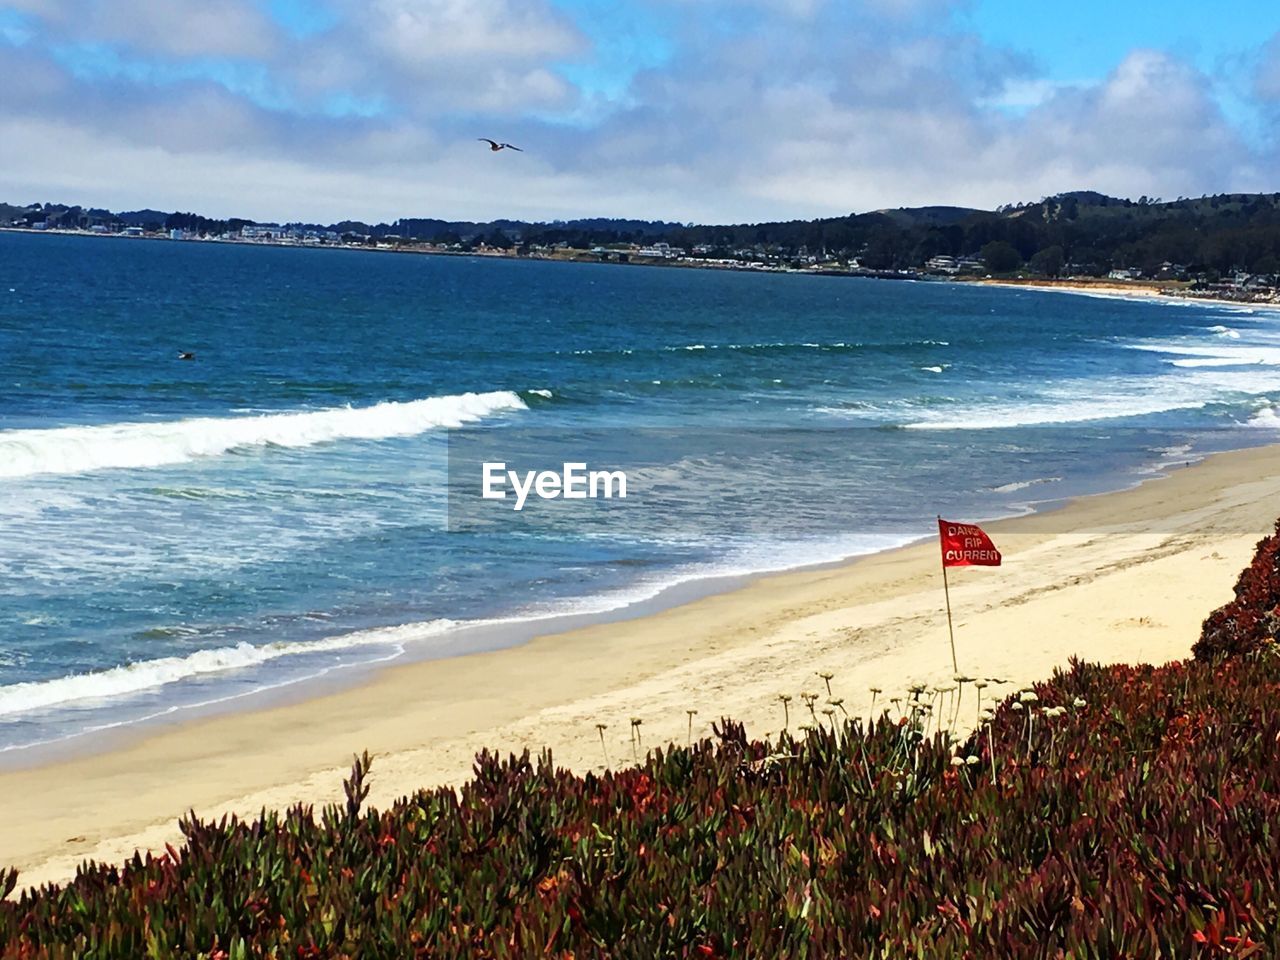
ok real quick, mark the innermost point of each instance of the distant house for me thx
(1124, 273)
(133, 231)
(942, 265)
(262, 231)
(1245, 281)
(661, 251)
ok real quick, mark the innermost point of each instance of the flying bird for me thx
(495, 146)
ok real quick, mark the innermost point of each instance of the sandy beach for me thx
(1143, 289)
(1127, 576)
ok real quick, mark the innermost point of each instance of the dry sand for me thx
(1126, 576)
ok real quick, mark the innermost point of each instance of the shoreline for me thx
(1115, 290)
(1116, 576)
(472, 636)
(502, 632)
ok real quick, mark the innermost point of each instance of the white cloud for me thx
(171, 28)
(803, 115)
(802, 9)
(1019, 93)
(1267, 78)
(419, 33)
(911, 123)
(442, 57)
(459, 180)
(1152, 127)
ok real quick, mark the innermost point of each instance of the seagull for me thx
(184, 355)
(495, 146)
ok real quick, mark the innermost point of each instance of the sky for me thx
(705, 111)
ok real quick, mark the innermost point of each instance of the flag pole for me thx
(946, 590)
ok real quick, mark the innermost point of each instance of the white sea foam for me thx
(545, 394)
(81, 449)
(1266, 419)
(934, 369)
(1023, 484)
(1032, 415)
(1191, 363)
(1216, 356)
(1085, 401)
(147, 675)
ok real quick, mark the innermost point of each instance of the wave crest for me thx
(65, 450)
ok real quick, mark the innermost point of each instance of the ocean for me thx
(284, 507)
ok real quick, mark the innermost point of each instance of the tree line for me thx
(1083, 233)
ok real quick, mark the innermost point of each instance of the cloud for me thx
(1151, 127)
(759, 111)
(432, 58)
(831, 121)
(1266, 81)
(1021, 94)
(418, 33)
(170, 28)
(802, 9)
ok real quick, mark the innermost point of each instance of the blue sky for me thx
(696, 110)
(1082, 42)
(1087, 38)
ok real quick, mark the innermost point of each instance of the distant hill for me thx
(595, 229)
(929, 216)
(9, 213)
(143, 218)
(1077, 232)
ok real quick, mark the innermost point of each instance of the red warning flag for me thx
(966, 545)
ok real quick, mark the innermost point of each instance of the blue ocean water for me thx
(175, 533)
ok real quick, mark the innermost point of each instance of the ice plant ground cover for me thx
(1133, 813)
(1252, 620)
(1122, 811)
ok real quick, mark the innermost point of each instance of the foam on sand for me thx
(145, 675)
(1024, 484)
(65, 450)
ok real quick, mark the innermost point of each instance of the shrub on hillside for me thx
(1252, 620)
(1114, 812)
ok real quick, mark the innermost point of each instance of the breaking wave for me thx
(67, 450)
